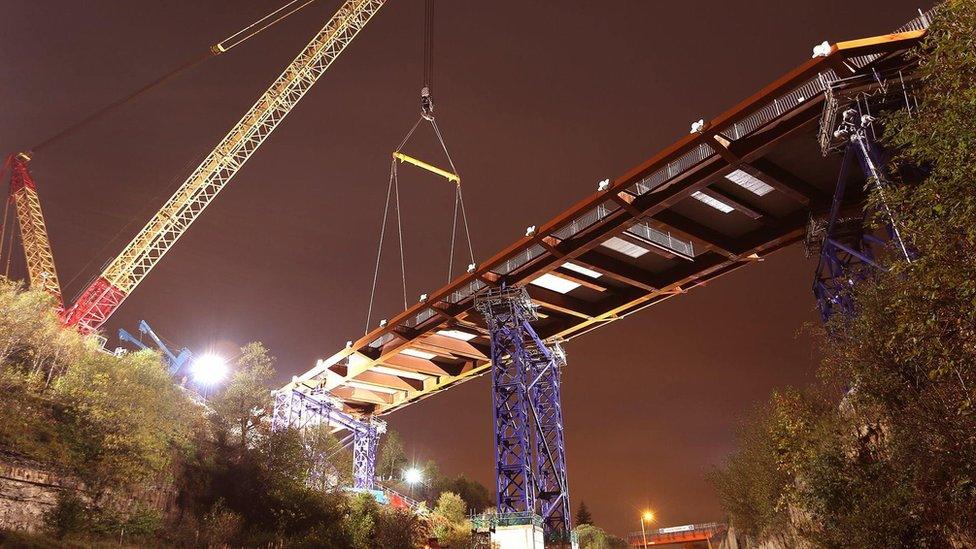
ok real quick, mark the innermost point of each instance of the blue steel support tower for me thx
(507, 313)
(298, 409)
(364, 444)
(848, 253)
(530, 456)
(551, 483)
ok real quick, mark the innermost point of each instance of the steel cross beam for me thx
(297, 409)
(530, 448)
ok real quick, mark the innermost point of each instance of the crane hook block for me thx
(426, 104)
(452, 177)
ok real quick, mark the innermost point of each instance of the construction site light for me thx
(209, 369)
(413, 475)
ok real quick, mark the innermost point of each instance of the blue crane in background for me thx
(176, 361)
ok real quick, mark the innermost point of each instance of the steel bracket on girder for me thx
(530, 450)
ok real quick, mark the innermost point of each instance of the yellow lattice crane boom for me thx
(33, 232)
(123, 274)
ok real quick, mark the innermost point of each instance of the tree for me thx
(330, 463)
(400, 529)
(123, 417)
(451, 507)
(475, 495)
(583, 515)
(247, 397)
(392, 458)
(451, 525)
(592, 537)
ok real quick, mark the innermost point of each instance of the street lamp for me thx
(649, 517)
(412, 477)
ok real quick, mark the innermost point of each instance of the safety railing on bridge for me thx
(489, 521)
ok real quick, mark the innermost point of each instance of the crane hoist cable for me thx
(426, 103)
(393, 189)
(219, 48)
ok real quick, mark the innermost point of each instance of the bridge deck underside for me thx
(737, 190)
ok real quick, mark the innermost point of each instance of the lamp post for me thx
(646, 516)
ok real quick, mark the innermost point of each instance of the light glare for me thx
(413, 475)
(209, 369)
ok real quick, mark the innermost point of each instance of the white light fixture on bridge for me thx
(822, 49)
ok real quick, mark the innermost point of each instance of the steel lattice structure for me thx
(848, 253)
(530, 457)
(296, 409)
(117, 281)
(507, 313)
(551, 480)
(33, 232)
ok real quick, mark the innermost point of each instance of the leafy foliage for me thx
(122, 425)
(112, 421)
(893, 465)
(593, 537)
(247, 397)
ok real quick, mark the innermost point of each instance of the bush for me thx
(69, 516)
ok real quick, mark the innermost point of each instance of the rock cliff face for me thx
(738, 540)
(29, 489)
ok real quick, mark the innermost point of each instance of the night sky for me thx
(538, 102)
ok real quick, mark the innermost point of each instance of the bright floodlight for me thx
(209, 369)
(413, 476)
(648, 516)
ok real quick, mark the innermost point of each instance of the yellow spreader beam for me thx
(452, 177)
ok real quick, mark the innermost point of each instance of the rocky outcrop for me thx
(29, 489)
